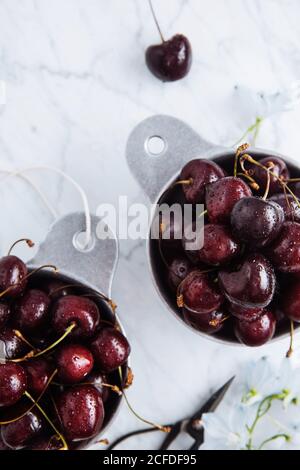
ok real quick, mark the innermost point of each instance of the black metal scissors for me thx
(192, 426)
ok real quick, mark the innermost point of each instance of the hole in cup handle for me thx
(93, 265)
(159, 147)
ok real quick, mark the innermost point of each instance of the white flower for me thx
(256, 381)
(289, 380)
(226, 429)
(265, 104)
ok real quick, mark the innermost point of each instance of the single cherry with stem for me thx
(12, 344)
(13, 382)
(199, 294)
(222, 196)
(171, 60)
(195, 176)
(257, 332)
(73, 309)
(257, 221)
(110, 349)
(280, 173)
(31, 311)
(13, 272)
(219, 245)
(81, 412)
(209, 323)
(18, 433)
(74, 362)
(251, 284)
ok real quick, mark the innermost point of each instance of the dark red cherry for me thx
(257, 332)
(4, 313)
(19, 433)
(2, 445)
(199, 293)
(178, 270)
(256, 222)
(220, 247)
(13, 383)
(208, 323)
(97, 379)
(244, 313)
(38, 373)
(192, 241)
(222, 196)
(44, 443)
(251, 284)
(290, 302)
(285, 250)
(31, 311)
(171, 60)
(171, 232)
(79, 310)
(110, 349)
(290, 207)
(200, 173)
(56, 289)
(13, 274)
(260, 175)
(81, 412)
(74, 363)
(11, 346)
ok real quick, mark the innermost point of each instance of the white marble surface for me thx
(76, 85)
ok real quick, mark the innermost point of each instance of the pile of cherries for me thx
(244, 282)
(62, 360)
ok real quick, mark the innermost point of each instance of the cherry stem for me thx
(252, 181)
(27, 277)
(268, 185)
(61, 437)
(184, 182)
(155, 20)
(219, 322)
(26, 240)
(203, 214)
(291, 350)
(19, 335)
(38, 399)
(32, 354)
(282, 183)
(240, 149)
(254, 127)
(165, 429)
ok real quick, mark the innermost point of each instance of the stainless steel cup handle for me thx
(94, 266)
(159, 147)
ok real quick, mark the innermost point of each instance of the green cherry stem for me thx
(273, 438)
(155, 20)
(26, 240)
(291, 349)
(32, 354)
(37, 400)
(165, 429)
